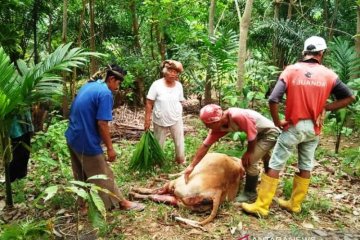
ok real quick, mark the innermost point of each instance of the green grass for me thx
(287, 188)
(351, 162)
(292, 160)
(29, 229)
(315, 203)
(319, 180)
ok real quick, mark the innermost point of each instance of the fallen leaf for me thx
(61, 211)
(314, 216)
(240, 226)
(340, 196)
(356, 213)
(307, 225)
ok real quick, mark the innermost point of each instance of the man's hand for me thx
(246, 159)
(187, 173)
(111, 154)
(320, 119)
(281, 124)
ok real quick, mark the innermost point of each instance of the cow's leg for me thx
(163, 190)
(166, 199)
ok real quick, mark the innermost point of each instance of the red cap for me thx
(211, 113)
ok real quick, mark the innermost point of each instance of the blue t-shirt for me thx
(93, 102)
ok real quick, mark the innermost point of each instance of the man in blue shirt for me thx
(88, 127)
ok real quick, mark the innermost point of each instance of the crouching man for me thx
(261, 137)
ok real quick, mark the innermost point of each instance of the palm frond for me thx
(343, 59)
(37, 82)
(223, 51)
(282, 33)
(44, 76)
(8, 84)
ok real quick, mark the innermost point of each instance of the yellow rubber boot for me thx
(266, 192)
(300, 188)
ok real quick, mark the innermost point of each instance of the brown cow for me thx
(214, 180)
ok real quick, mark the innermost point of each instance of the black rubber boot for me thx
(249, 193)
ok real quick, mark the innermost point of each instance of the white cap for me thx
(318, 44)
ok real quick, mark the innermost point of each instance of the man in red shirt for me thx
(261, 137)
(307, 85)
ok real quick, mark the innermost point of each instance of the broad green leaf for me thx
(78, 191)
(98, 202)
(50, 192)
(80, 183)
(95, 217)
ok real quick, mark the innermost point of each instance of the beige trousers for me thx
(177, 134)
(265, 142)
(84, 166)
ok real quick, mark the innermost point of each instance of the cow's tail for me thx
(216, 203)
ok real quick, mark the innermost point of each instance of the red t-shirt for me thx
(308, 86)
(244, 120)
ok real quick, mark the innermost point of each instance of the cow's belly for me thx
(215, 172)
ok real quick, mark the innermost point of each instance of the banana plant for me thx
(23, 85)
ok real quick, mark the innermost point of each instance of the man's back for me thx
(308, 86)
(93, 102)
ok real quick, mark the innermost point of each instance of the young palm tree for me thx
(344, 61)
(21, 87)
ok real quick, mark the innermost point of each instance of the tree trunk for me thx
(244, 28)
(209, 72)
(81, 26)
(93, 63)
(333, 19)
(357, 38)
(49, 34)
(152, 41)
(160, 41)
(38, 115)
(337, 143)
(139, 80)
(35, 19)
(326, 14)
(64, 40)
(278, 54)
(135, 26)
(7, 157)
(289, 13)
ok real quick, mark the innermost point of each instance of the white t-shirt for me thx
(167, 106)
